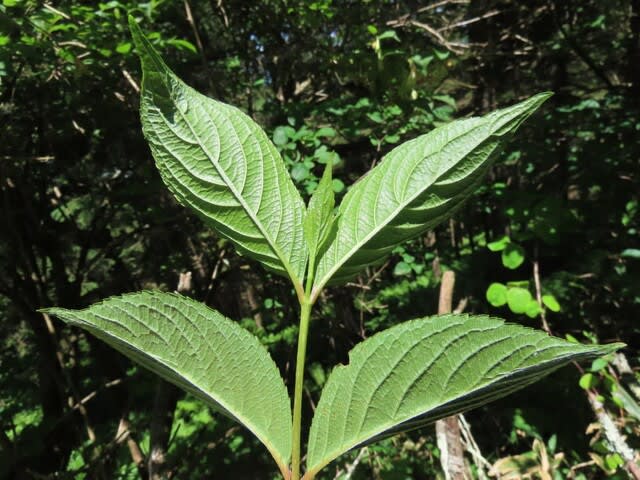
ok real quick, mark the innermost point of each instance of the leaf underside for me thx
(415, 187)
(419, 371)
(200, 351)
(319, 219)
(218, 161)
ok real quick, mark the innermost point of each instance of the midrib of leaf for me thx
(142, 357)
(364, 436)
(485, 388)
(401, 206)
(238, 196)
(162, 69)
(422, 372)
(169, 369)
(398, 361)
(464, 149)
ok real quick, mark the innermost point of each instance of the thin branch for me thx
(453, 47)
(225, 18)
(40, 158)
(214, 274)
(351, 467)
(51, 330)
(56, 11)
(442, 4)
(628, 376)
(473, 448)
(536, 279)
(611, 431)
(464, 23)
(614, 437)
(164, 404)
(124, 434)
(462, 304)
(131, 81)
(93, 394)
(580, 52)
(192, 23)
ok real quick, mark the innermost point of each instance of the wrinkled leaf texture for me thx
(218, 161)
(319, 219)
(200, 351)
(415, 187)
(419, 371)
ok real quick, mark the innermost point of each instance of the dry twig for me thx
(611, 431)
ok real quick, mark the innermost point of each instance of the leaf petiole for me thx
(305, 314)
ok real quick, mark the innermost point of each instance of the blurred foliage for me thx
(552, 235)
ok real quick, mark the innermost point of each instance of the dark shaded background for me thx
(84, 214)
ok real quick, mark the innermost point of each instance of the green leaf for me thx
(588, 380)
(598, 364)
(202, 352)
(325, 132)
(401, 269)
(532, 310)
(518, 299)
(124, 47)
(631, 253)
(389, 34)
(628, 402)
(416, 186)
(280, 136)
(299, 172)
(499, 245)
(217, 161)
(319, 220)
(613, 461)
(497, 294)
(417, 372)
(181, 44)
(512, 256)
(338, 185)
(551, 303)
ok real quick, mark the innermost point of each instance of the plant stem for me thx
(305, 315)
(305, 312)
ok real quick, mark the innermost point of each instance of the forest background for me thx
(551, 239)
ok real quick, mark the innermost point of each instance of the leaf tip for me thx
(134, 28)
(510, 118)
(611, 347)
(545, 95)
(143, 46)
(539, 99)
(63, 314)
(56, 311)
(328, 172)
